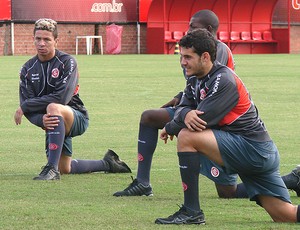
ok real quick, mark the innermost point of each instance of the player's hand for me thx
(165, 136)
(18, 116)
(175, 101)
(193, 122)
(50, 122)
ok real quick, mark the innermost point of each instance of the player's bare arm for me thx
(193, 122)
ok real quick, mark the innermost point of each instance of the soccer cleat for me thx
(136, 189)
(48, 173)
(296, 173)
(183, 216)
(115, 164)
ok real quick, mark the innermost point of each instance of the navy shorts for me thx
(79, 126)
(216, 173)
(171, 111)
(210, 169)
(257, 164)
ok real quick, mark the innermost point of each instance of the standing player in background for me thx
(49, 99)
(155, 119)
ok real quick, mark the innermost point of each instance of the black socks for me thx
(88, 166)
(189, 164)
(56, 139)
(146, 146)
(241, 191)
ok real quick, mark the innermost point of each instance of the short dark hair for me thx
(201, 40)
(46, 24)
(208, 19)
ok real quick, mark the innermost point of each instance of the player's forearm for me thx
(35, 118)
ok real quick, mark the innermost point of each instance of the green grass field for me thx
(116, 89)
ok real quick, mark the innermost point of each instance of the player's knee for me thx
(226, 192)
(183, 138)
(64, 169)
(147, 117)
(155, 118)
(64, 165)
(53, 108)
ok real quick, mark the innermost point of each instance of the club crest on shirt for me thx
(55, 73)
(202, 94)
(214, 171)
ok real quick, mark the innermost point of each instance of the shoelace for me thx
(181, 209)
(45, 170)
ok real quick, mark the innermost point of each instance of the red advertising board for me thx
(5, 10)
(76, 10)
(281, 11)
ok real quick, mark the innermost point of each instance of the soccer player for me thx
(49, 98)
(234, 135)
(153, 120)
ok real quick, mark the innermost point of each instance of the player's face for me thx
(194, 64)
(195, 24)
(45, 44)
